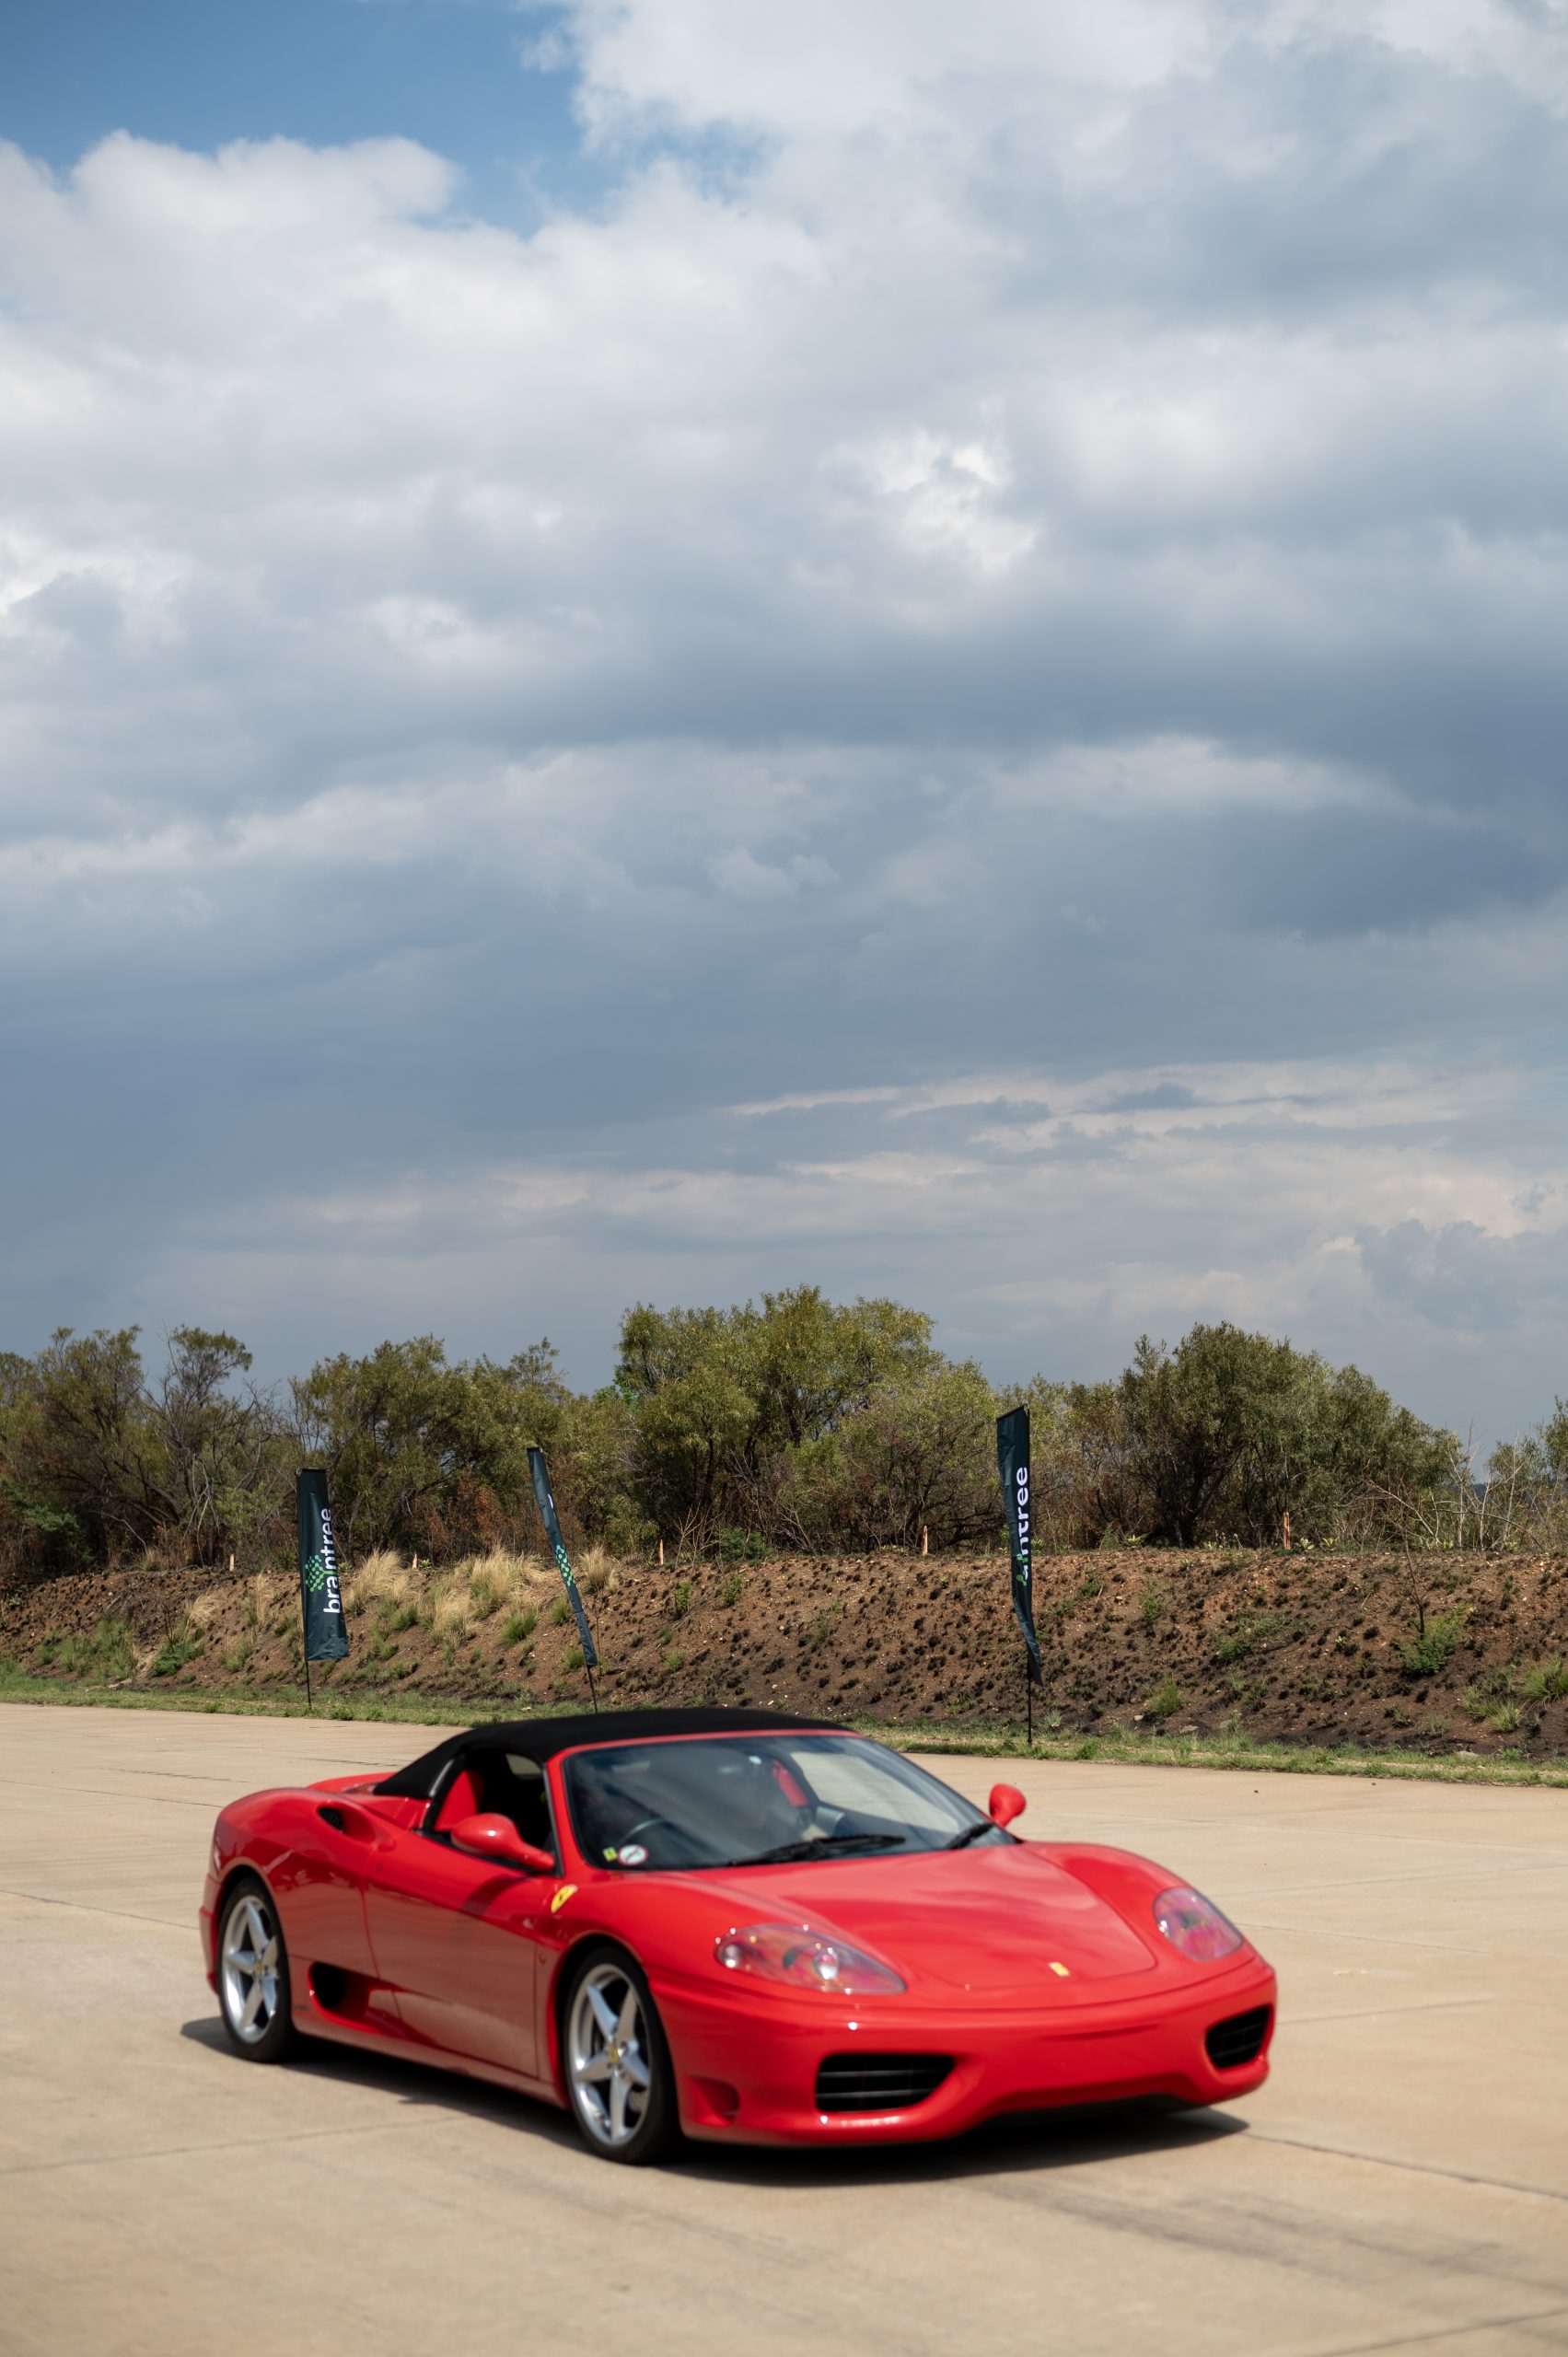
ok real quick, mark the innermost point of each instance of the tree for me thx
(219, 1472)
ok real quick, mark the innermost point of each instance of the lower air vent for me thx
(879, 2082)
(1240, 2039)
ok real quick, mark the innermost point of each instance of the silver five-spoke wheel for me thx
(253, 1974)
(617, 2074)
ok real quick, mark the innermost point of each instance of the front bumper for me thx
(747, 2073)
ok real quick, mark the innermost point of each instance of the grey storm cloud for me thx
(998, 591)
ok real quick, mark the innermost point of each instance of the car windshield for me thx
(759, 1800)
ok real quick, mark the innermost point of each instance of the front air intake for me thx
(879, 2082)
(1240, 2039)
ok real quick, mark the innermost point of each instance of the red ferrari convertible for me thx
(729, 1925)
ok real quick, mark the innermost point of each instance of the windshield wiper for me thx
(814, 1848)
(970, 1833)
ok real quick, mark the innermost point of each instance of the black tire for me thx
(255, 1995)
(615, 2061)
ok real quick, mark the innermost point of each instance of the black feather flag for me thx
(320, 1596)
(1012, 1463)
(541, 1491)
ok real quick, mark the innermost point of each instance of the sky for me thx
(652, 649)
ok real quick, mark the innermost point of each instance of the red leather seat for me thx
(463, 1798)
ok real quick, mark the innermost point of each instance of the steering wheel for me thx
(657, 1825)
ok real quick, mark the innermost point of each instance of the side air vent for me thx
(1240, 2039)
(879, 2082)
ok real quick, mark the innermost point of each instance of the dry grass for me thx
(463, 1593)
(381, 1578)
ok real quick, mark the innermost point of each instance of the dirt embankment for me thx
(1464, 1652)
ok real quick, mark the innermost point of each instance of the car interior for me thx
(500, 1784)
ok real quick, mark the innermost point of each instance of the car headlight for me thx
(1195, 1925)
(803, 1959)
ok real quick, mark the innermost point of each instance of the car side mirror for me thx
(497, 1837)
(1005, 1803)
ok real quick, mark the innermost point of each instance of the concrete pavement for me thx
(1400, 2184)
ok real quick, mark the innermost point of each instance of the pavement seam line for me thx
(1443, 2332)
(1411, 2169)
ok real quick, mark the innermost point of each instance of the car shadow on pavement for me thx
(1023, 2141)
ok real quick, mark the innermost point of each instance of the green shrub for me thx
(559, 1612)
(1151, 1603)
(520, 1626)
(674, 1659)
(1166, 1699)
(1433, 1649)
(1548, 1681)
(174, 1653)
(483, 1598)
(574, 1660)
(104, 1657)
(680, 1603)
(730, 1589)
(742, 1546)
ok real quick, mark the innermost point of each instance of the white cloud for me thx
(1012, 542)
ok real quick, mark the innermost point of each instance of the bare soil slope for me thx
(1463, 1651)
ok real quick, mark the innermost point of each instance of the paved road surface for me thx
(1400, 2184)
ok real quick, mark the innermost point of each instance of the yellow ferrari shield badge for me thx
(566, 1891)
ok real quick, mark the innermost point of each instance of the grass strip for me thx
(1120, 1746)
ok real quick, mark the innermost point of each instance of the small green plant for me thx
(729, 1589)
(105, 1656)
(559, 1612)
(574, 1660)
(680, 1603)
(742, 1546)
(1424, 1655)
(484, 1597)
(1150, 1605)
(1505, 1718)
(1166, 1699)
(237, 1656)
(674, 1659)
(399, 1616)
(1092, 1583)
(1547, 1682)
(519, 1626)
(174, 1653)
(1254, 1632)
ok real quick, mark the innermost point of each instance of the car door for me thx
(320, 1882)
(456, 1936)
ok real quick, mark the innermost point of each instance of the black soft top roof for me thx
(541, 1740)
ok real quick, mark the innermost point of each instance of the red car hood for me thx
(989, 1922)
